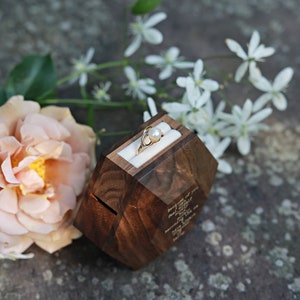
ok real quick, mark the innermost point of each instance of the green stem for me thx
(90, 108)
(226, 99)
(86, 102)
(106, 65)
(103, 133)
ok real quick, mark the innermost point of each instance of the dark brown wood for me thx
(136, 214)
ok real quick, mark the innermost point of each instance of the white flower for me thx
(143, 30)
(100, 91)
(242, 124)
(138, 88)
(167, 62)
(190, 112)
(152, 108)
(256, 52)
(82, 65)
(213, 124)
(273, 90)
(198, 78)
(217, 148)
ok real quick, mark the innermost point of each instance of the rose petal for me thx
(14, 109)
(82, 139)
(7, 170)
(10, 225)
(9, 144)
(24, 163)
(53, 128)
(30, 181)
(3, 130)
(35, 225)
(9, 201)
(14, 244)
(59, 239)
(34, 204)
(58, 113)
(77, 177)
(53, 149)
(32, 133)
(65, 200)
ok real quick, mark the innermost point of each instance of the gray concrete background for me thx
(246, 242)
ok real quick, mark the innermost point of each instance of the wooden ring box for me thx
(136, 214)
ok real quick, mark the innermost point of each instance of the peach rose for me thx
(46, 159)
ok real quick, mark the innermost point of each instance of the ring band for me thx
(151, 135)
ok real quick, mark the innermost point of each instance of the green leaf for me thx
(34, 77)
(3, 96)
(144, 6)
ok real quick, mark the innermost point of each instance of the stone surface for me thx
(246, 243)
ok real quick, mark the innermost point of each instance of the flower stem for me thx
(104, 133)
(106, 65)
(86, 102)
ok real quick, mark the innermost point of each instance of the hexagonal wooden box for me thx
(136, 214)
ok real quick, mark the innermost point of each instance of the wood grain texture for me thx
(136, 214)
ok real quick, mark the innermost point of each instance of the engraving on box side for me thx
(181, 213)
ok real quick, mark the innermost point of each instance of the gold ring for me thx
(151, 135)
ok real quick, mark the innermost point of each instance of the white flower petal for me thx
(89, 55)
(130, 73)
(192, 92)
(175, 107)
(262, 84)
(198, 69)
(172, 53)
(155, 19)
(135, 44)
(83, 79)
(241, 70)
(165, 73)
(181, 81)
(280, 101)
(247, 110)
(148, 89)
(236, 48)
(254, 72)
(224, 166)
(154, 60)
(210, 85)
(282, 79)
(259, 116)
(183, 64)
(261, 101)
(153, 36)
(222, 146)
(253, 44)
(146, 116)
(262, 52)
(152, 106)
(202, 100)
(221, 106)
(244, 145)
(227, 117)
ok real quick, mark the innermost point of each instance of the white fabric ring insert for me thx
(129, 153)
